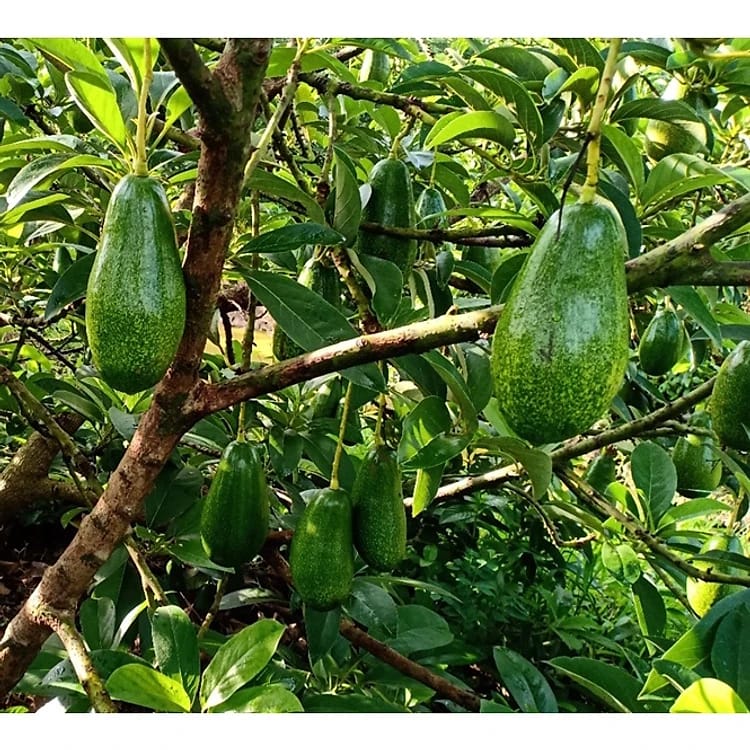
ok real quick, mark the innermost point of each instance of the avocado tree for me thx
(254, 418)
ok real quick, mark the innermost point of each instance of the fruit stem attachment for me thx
(593, 132)
(340, 443)
(379, 440)
(141, 163)
(393, 153)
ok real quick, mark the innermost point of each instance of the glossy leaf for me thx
(264, 699)
(176, 647)
(70, 287)
(385, 282)
(619, 146)
(524, 682)
(655, 476)
(654, 109)
(679, 174)
(611, 684)
(144, 686)
(524, 63)
(537, 463)
(291, 237)
(730, 653)
(98, 100)
(131, 54)
(70, 54)
(322, 629)
(649, 607)
(271, 184)
(426, 485)
(239, 660)
(582, 51)
(373, 607)
(689, 299)
(419, 629)
(176, 489)
(347, 210)
(622, 562)
(709, 696)
(488, 125)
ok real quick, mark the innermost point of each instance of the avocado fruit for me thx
(376, 66)
(379, 513)
(702, 595)
(560, 348)
(698, 469)
(135, 299)
(662, 343)
(729, 405)
(391, 204)
(321, 557)
(667, 137)
(430, 203)
(235, 512)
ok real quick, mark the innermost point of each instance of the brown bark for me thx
(226, 143)
(24, 481)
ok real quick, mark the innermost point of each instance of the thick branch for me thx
(493, 236)
(418, 337)
(205, 91)
(688, 254)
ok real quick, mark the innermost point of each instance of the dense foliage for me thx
(391, 189)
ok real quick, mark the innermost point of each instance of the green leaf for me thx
(537, 463)
(238, 661)
(352, 703)
(709, 696)
(265, 699)
(384, 280)
(291, 237)
(678, 174)
(372, 606)
(612, 685)
(689, 299)
(347, 210)
(515, 94)
(322, 630)
(176, 647)
(583, 82)
(273, 185)
(9, 110)
(123, 422)
(97, 618)
(490, 125)
(655, 475)
(70, 287)
(426, 485)
(457, 386)
(582, 51)
(69, 54)
(176, 489)
(98, 101)
(649, 607)
(622, 562)
(693, 649)
(504, 276)
(702, 506)
(131, 54)
(310, 321)
(144, 686)
(419, 629)
(655, 109)
(730, 653)
(525, 64)
(619, 147)
(527, 685)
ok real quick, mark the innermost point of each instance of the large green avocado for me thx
(730, 401)
(391, 204)
(135, 301)
(702, 595)
(560, 348)
(321, 557)
(698, 468)
(664, 138)
(662, 343)
(234, 518)
(379, 513)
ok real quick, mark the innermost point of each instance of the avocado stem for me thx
(340, 442)
(593, 132)
(141, 160)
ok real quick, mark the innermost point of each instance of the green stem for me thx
(396, 145)
(340, 444)
(141, 159)
(211, 614)
(588, 193)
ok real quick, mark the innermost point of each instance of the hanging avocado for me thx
(662, 343)
(135, 301)
(560, 348)
(730, 405)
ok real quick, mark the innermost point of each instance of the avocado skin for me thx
(321, 557)
(730, 401)
(431, 202)
(702, 595)
(698, 470)
(391, 204)
(662, 343)
(376, 66)
(379, 513)
(560, 348)
(135, 300)
(235, 513)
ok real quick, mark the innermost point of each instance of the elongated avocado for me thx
(730, 401)
(234, 518)
(662, 343)
(135, 301)
(391, 204)
(321, 557)
(560, 348)
(379, 513)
